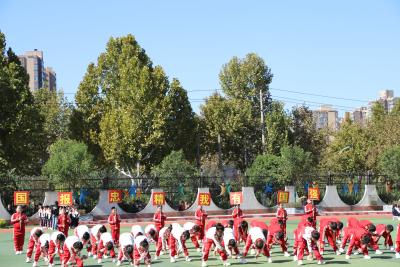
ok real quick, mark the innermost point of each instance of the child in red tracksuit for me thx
(277, 236)
(106, 245)
(384, 231)
(307, 238)
(201, 216)
(83, 233)
(359, 239)
(33, 241)
(95, 233)
(328, 230)
(115, 224)
(310, 210)
(159, 219)
(230, 243)
(257, 237)
(19, 220)
(214, 237)
(63, 222)
(348, 231)
(141, 251)
(41, 249)
(57, 240)
(398, 242)
(282, 216)
(71, 252)
(178, 237)
(163, 237)
(237, 216)
(125, 248)
(151, 233)
(194, 231)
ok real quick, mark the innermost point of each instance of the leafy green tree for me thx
(265, 168)
(248, 79)
(396, 108)
(277, 125)
(69, 162)
(174, 169)
(56, 110)
(244, 78)
(303, 133)
(126, 108)
(389, 162)
(85, 118)
(181, 125)
(21, 135)
(229, 119)
(348, 150)
(295, 164)
(378, 112)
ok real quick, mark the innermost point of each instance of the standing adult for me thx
(19, 220)
(201, 216)
(311, 211)
(115, 224)
(63, 222)
(55, 210)
(159, 219)
(237, 216)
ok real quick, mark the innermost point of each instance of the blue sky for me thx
(345, 49)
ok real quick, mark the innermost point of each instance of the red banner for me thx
(236, 198)
(65, 198)
(204, 199)
(158, 198)
(21, 198)
(114, 196)
(313, 193)
(283, 197)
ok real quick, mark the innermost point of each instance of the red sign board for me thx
(65, 198)
(21, 198)
(158, 198)
(236, 198)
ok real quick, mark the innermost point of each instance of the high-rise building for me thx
(360, 116)
(39, 76)
(326, 117)
(386, 98)
(50, 79)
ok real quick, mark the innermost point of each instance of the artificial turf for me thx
(9, 259)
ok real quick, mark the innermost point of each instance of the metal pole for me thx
(219, 153)
(262, 120)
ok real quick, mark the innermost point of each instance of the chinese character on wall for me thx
(158, 198)
(236, 198)
(204, 199)
(65, 198)
(283, 197)
(114, 196)
(21, 198)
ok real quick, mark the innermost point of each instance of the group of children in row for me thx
(223, 238)
(49, 216)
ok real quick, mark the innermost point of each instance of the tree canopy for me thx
(69, 162)
(21, 124)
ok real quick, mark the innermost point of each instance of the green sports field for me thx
(8, 259)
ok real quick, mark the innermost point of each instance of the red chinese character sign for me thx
(313, 193)
(64, 198)
(114, 196)
(158, 198)
(236, 198)
(204, 199)
(283, 197)
(21, 198)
